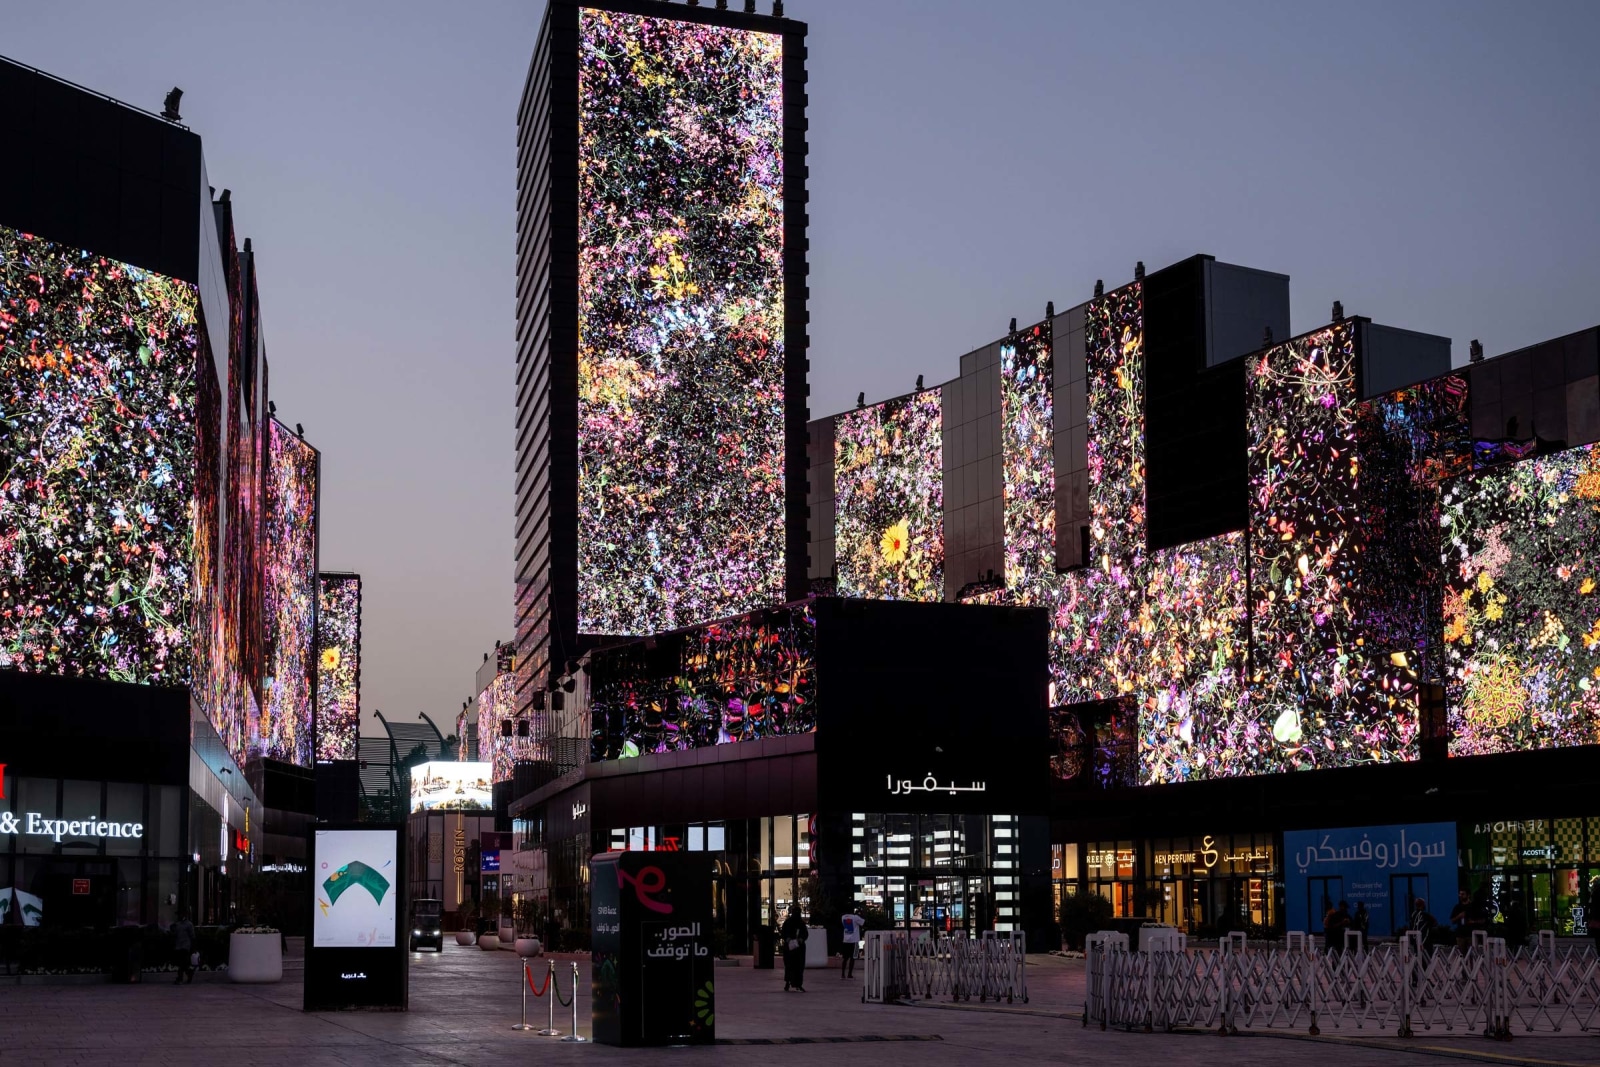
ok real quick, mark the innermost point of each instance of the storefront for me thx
(115, 808)
(1203, 884)
(1543, 872)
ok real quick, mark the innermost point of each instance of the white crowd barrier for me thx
(899, 966)
(1404, 987)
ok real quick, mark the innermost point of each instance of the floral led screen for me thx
(289, 543)
(889, 489)
(1522, 604)
(1027, 386)
(338, 665)
(97, 465)
(497, 704)
(722, 683)
(680, 321)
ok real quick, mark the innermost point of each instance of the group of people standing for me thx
(1471, 913)
(792, 943)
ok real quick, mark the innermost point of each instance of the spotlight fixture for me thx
(299, 431)
(1013, 325)
(169, 110)
(1338, 311)
(777, 9)
(1266, 337)
(1138, 271)
(1476, 351)
(919, 383)
(1099, 288)
(749, 7)
(861, 400)
(1049, 309)
(272, 407)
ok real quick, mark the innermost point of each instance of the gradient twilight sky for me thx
(1435, 165)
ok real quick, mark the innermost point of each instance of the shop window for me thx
(716, 838)
(125, 803)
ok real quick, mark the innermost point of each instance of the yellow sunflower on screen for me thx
(330, 659)
(896, 539)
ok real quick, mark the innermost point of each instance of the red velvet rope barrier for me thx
(538, 991)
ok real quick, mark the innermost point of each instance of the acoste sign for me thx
(36, 825)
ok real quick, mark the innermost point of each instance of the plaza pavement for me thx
(464, 1001)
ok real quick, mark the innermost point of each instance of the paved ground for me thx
(464, 1001)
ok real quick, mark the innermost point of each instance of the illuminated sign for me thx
(36, 825)
(1208, 856)
(930, 784)
(489, 862)
(450, 785)
(80, 887)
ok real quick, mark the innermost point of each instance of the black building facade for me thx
(823, 752)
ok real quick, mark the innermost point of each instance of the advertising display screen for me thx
(1522, 604)
(338, 665)
(290, 576)
(97, 465)
(681, 322)
(889, 486)
(1387, 868)
(447, 785)
(496, 704)
(354, 882)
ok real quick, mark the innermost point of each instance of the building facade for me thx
(157, 526)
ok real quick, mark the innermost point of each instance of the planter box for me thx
(488, 942)
(465, 938)
(529, 946)
(255, 958)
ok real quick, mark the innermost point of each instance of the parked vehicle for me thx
(427, 924)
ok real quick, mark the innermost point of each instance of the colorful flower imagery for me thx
(290, 550)
(496, 704)
(749, 678)
(1522, 604)
(681, 305)
(338, 665)
(889, 482)
(1027, 384)
(97, 464)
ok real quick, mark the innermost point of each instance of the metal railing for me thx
(1404, 986)
(900, 966)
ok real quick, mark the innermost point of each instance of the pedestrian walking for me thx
(853, 925)
(183, 947)
(1334, 924)
(792, 936)
(1360, 919)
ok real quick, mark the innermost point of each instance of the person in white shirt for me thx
(853, 925)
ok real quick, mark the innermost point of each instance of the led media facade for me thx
(497, 704)
(681, 385)
(1522, 604)
(889, 486)
(338, 665)
(1027, 384)
(97, 465)
(722, 683)
(289, 547)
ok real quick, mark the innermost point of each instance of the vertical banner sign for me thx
(653, 970)
(356, 956)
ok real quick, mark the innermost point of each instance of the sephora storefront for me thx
(887, 753)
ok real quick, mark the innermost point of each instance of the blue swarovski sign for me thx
(1385, 867)
(490, 861)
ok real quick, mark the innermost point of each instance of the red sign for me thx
(80, 887)
(241, 841)
(2, 781)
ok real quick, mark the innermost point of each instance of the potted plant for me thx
(255, 954)
(489, 915)
(529, 915)
(468, 914)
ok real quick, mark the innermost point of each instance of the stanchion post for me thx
(574, 1036)
(523, 981)
(550, 985)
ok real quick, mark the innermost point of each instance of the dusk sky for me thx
(1432, 165)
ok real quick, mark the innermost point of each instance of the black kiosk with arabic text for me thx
(653, 969)
(356, 954)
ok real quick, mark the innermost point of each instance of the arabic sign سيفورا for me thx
(930, 784)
